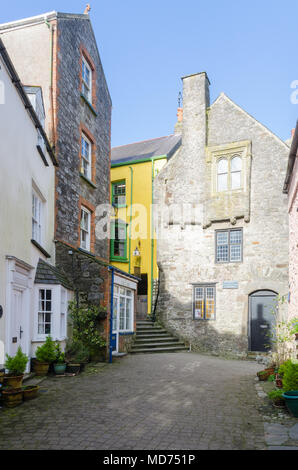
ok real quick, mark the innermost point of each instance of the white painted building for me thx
(32, 301)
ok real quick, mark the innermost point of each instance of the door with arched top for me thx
(262, 306)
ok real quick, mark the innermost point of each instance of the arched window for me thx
(236, 167)
(222, 175)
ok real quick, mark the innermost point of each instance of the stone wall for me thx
(186, 251)
(75, 35)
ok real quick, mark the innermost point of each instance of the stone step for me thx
(154, 339)
(148, 329)
(169, 339)
(157, 345)
(159, 350)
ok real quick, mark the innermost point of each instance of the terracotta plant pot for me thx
(41, 368)
(264, 374)
(12, 397)
(14, 381)
(30, 392)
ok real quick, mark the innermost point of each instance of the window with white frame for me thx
(37, 209)
(85, 229)
(45, 311)
(51, 311)
(123, 309)
(86, 80)
(204, 302)
(229, 173)
(86, 156)
(63, 313)
(228, 245)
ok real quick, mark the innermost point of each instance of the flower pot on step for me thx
(12, 397)
(30, 392)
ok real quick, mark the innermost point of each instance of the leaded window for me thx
(228, 245)
(229, 173)
(204, 302)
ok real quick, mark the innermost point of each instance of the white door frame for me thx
(20, 278)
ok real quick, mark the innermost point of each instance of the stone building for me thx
(291, 189)
(58, 52)
(222, 242)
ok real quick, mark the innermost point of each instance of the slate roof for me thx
(48, 274)
(146, 149)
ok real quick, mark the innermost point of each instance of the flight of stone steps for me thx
(151, 338)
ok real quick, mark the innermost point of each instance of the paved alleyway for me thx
(167, 401)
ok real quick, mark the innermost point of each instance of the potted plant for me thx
(59, 363)
(265, 374)
(277, 397)
(12, 396)
(77, 355)
(290, 386)
(30, 392)
(45, 354)
(16, 365)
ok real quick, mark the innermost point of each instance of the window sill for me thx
(119, 260)
(88, 181)
(40, 248)
(88, 104)
(126, 333)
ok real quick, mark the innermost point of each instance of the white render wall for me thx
(21, 166)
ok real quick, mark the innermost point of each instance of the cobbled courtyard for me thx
(177, 401)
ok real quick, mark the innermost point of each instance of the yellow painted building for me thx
(133, 247)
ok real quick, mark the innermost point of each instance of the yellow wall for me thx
(138, 176)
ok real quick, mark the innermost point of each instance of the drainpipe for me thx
(152, 232)
(51, 28)
(111, 314)
(129, 242)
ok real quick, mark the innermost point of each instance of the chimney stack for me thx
(178, 125)
(196, 100)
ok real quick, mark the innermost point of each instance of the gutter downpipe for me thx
(129, 242)
(51, 28)
(152, 233)
(111, 315)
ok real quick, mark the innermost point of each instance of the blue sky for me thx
(248, 49)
